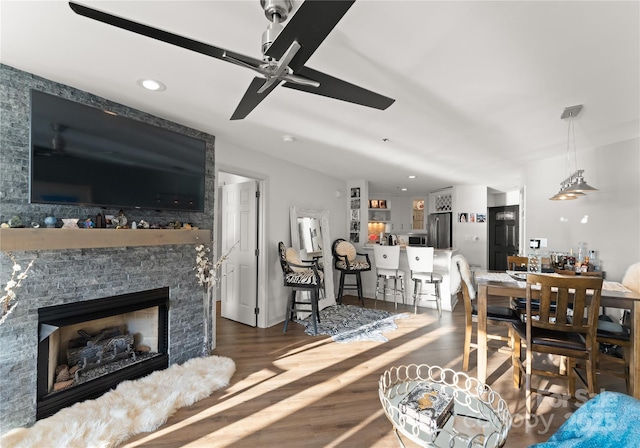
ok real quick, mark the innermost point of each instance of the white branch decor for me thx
(10, 289)
(208, 275)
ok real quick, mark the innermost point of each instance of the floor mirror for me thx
(311, 237)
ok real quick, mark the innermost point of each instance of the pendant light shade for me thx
(574, 185)
(579, 185)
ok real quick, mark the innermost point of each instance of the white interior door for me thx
(240, 269)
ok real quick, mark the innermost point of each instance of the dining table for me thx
(492, 284)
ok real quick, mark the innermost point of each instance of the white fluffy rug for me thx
(133, 407)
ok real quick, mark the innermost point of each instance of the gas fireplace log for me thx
(101, 351)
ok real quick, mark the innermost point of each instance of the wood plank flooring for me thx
(295, 390)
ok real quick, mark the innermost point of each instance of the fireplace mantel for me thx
(51, 239)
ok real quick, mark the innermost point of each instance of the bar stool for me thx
(421, 266)
(387, 259)
(349, 262)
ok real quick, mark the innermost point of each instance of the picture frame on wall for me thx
(355, 226)
(463, 217)
(355, 203)
(355, 192)
(481, 217)
(472, 217)
(355, 214)
(354, 237)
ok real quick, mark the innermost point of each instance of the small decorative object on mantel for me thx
(143, 224)
(50, 222)
(15, 222)
(120, 221)
(69, 223)
(101, 223)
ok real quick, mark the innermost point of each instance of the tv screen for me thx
(81, 155)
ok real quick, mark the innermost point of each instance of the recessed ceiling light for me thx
(404, 189)
(287, 138)
(152, 84)
(412, 177)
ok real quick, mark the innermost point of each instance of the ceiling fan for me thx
(285, 51)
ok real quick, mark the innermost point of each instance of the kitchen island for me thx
(441, 265)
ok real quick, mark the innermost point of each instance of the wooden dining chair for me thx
(496, 315)
(567, 330)
(517, 263)
(616, 337)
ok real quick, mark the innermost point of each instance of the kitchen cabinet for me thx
(402, 216)
(441, 201)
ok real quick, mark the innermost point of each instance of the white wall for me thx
(286, 184)
(612, 214)
(470, 238)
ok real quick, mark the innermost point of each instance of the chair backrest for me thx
(461, 280)
(282, 250)
(631, 277)
(517, 263)
(420, 258)
(386, 257)
(567, 292)
(343, 248)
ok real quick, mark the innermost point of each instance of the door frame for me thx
(261, 284)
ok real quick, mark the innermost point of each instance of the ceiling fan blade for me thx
(267, 85)
(257, 68)
(164, 36)
(340, 90)
(283, 64)
(299, 80)
(309, 26)
(252, 98)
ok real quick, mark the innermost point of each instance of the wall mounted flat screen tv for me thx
(81, 155)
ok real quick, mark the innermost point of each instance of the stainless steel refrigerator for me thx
(439, 226)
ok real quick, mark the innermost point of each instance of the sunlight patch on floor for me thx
(266, 380)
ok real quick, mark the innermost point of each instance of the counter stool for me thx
(421, 266)
(387, 259)
(349, 262)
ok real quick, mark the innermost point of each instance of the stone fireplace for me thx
(85, 266)
(97, 344)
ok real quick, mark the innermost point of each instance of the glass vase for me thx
(206, 316)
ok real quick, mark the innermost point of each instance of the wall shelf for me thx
(55, 239)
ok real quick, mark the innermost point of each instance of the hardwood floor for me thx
(295, 390)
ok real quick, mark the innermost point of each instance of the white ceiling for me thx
(479, 86)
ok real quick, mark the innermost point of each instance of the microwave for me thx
(418, 240)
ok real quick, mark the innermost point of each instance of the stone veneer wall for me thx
(65, 276)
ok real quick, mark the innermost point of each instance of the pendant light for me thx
(574, 185)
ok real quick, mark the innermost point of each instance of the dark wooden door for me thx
(504, 236)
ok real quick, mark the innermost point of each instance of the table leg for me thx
(482, 333)
(634, 362)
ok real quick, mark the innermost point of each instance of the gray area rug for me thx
(349, 323)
